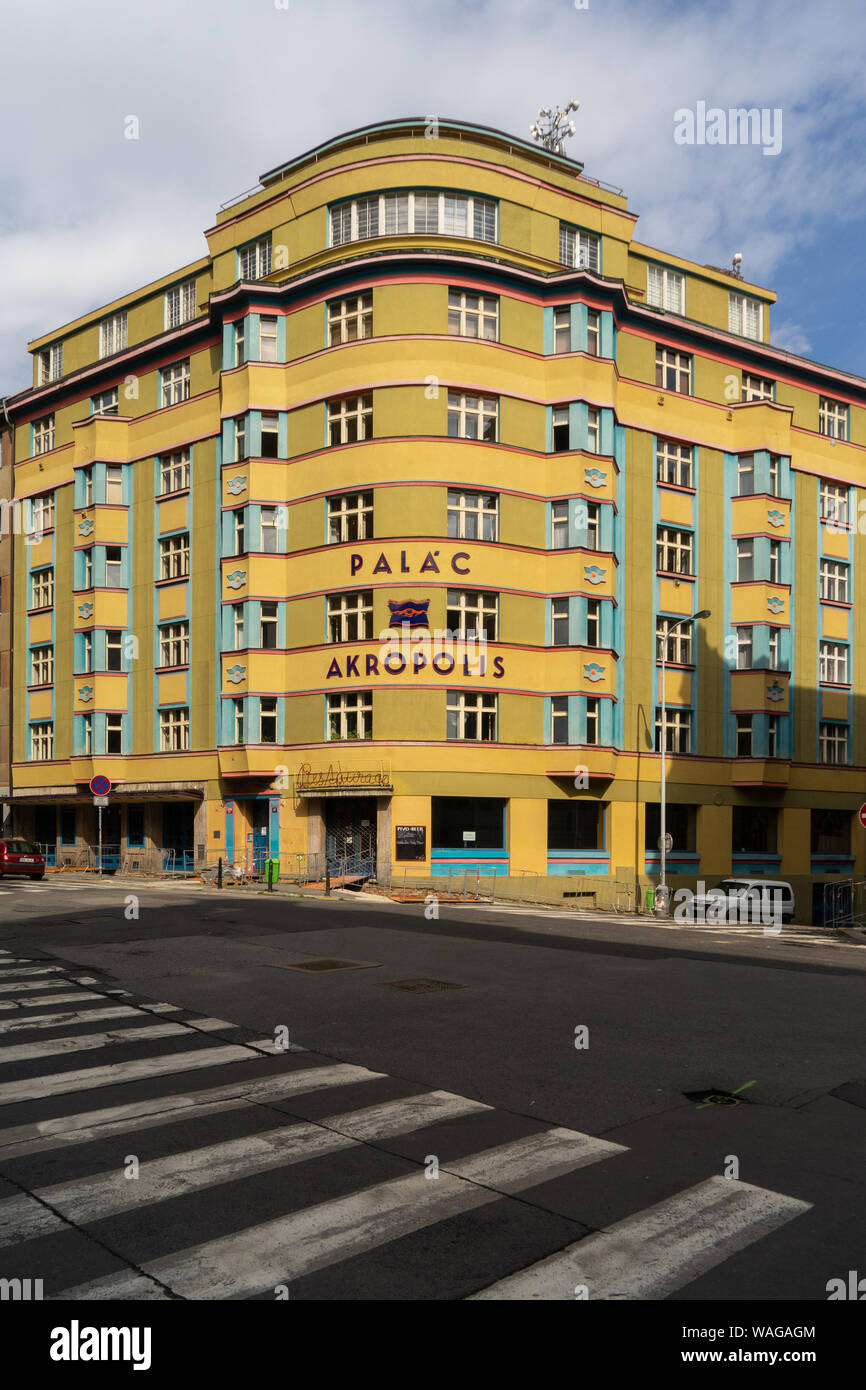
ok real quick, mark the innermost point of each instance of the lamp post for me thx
(669, 628)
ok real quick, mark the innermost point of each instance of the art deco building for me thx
(360, 533)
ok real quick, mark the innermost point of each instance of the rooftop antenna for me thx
(553, 128)
(736, 263)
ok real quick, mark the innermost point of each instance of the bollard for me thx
(327, 881)
(220, 872)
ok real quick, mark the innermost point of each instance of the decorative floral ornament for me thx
(775, 517)
(85, 692)
(236, 579)
(85, 527)
(85, 610)
(237, 484)
(595, 477)
(775, 692)
(593, 671)
(594, 573)
(775, 604)
(236, 674)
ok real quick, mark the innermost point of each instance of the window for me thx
(833, 418)
(757, 388)
(745, 316)
(559, 719)
(174, 644)
(775, 470)
(580, 250)
(41, 742)
(833, 743)
(254, 262)
(559, 622)
(673, 550)
(175, 383)
(42, 666)
(745, 644)
(113, 650)
(561, 429)
(745, 560)
(240, 438)
(135, 825)
(745, 475)
(270, 518)
(471, 716)
(112, 334)
(180, 304)
(43, 512)
(350, 714)
(575, 825)
(49, 364)
(470, 613)
(268, 627)
(268, 719)
(473, 516)
(174, 556)
(744, 735)
(593, 418)
(773, 735)
(774, 562)
(174, 472)
(834, 581)
(350, 517)
(238, 720)
(674, 462)
(350, 616)
(677, 642)
(267, 338)
(774, 644)
(239, 531)
(673, 370)
(666, 289)
(113, 484)
(473, 315)
(270, 443)
(834, 502)
(104, 403)
(239, 342)
(350, 419)
(174, 730)
(87, 474)
(43, 434)
(114, 733)
(680, 824)
(67, 825)
(831, 832)
(87, 568)
(113, 567)
(833, 663)
(562, 329)
(87, 731)
(87, 651)
(593, 705)
(593, 332)
(678, 730)
(593, 622)
(238, 626)
(593, 512)
(392, 214)
(350, 319)
(559, 525)
(471, 417)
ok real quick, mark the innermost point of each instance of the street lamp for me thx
(669, 628)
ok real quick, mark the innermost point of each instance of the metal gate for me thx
(350, 836)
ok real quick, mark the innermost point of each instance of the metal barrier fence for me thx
(574, 892)
(845, 903)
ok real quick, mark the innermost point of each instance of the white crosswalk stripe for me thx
(656, 1252)
(34, 1002)
(69, 1018)
(23, 986)
(120, 1073)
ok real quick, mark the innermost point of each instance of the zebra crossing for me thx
(256, 1169)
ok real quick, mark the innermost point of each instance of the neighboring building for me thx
(427, 374)
(7, 517)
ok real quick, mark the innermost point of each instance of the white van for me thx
(737, 901)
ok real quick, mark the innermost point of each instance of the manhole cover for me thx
(420, 986)
(325, 963)
(713, 1098)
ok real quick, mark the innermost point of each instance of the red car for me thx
(20, 857)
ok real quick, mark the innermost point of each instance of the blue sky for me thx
(225, 89)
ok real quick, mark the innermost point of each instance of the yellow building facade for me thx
(360, 537)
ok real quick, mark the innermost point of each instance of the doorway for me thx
(350, 835)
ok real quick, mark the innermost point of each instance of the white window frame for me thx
(833, 418)
(174, 729)
(254, 260)
(558, 716)
(678, 729)
(118, 562)
(678, 642)
(560, 622)
(745, 475)
(350, 320)
(174, 472)
(745, 559)
(269, 336)
(42, 587)
(49, 364)
(271, 713)
(465, 708)
(114, 484)
(114, 725)
(238, 627)
(757, 388)
(774, 647)
(593, 332)
(174, 383)
(745, 735)
(593, 430)
(674, 462)
(833, 663)
(833, 502)
(672, 361)
(562, 328)
(593, 716)
(113, 334)
(473, 315)
(42, 664)
(350, 517)
(43, 512)
(350, 616)
(472, 516)
(425, 212)
(469, 613)
(271, 619)
(559, 526)
(42, 741)
(43, 435)
(180, 304)
(174, 644)
(472, 416)
(832, 743)
(834, 581)
(578, 249)
(350, 419)
(105, 402)
(666, 289)
(174, 556)
(673, 543)
(745, 648)
(352, 711)
(745, 316)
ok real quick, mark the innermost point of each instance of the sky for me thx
(224, 90)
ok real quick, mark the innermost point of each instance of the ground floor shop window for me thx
(680, 824)
(575, 825)
(468, 822)
(754, 830)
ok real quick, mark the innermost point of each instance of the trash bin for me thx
(272, 871)
(651, 899)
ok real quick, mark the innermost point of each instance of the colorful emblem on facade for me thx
(595, 477)
(594, 573)
(237, 484)
(775, 692)
(236, 674)
(775, 518)
(236, 579)
(775, 604)
(85, 527)
(409, 613)
(85, 610)
(85, 692)
(593, 671)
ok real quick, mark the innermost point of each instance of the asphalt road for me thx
(545, 1078)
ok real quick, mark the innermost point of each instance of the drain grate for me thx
(420, 986)
(325, 963)
(714, 1097)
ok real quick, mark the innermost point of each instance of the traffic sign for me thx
(862, 814)
(100, 785)
(100, 801)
